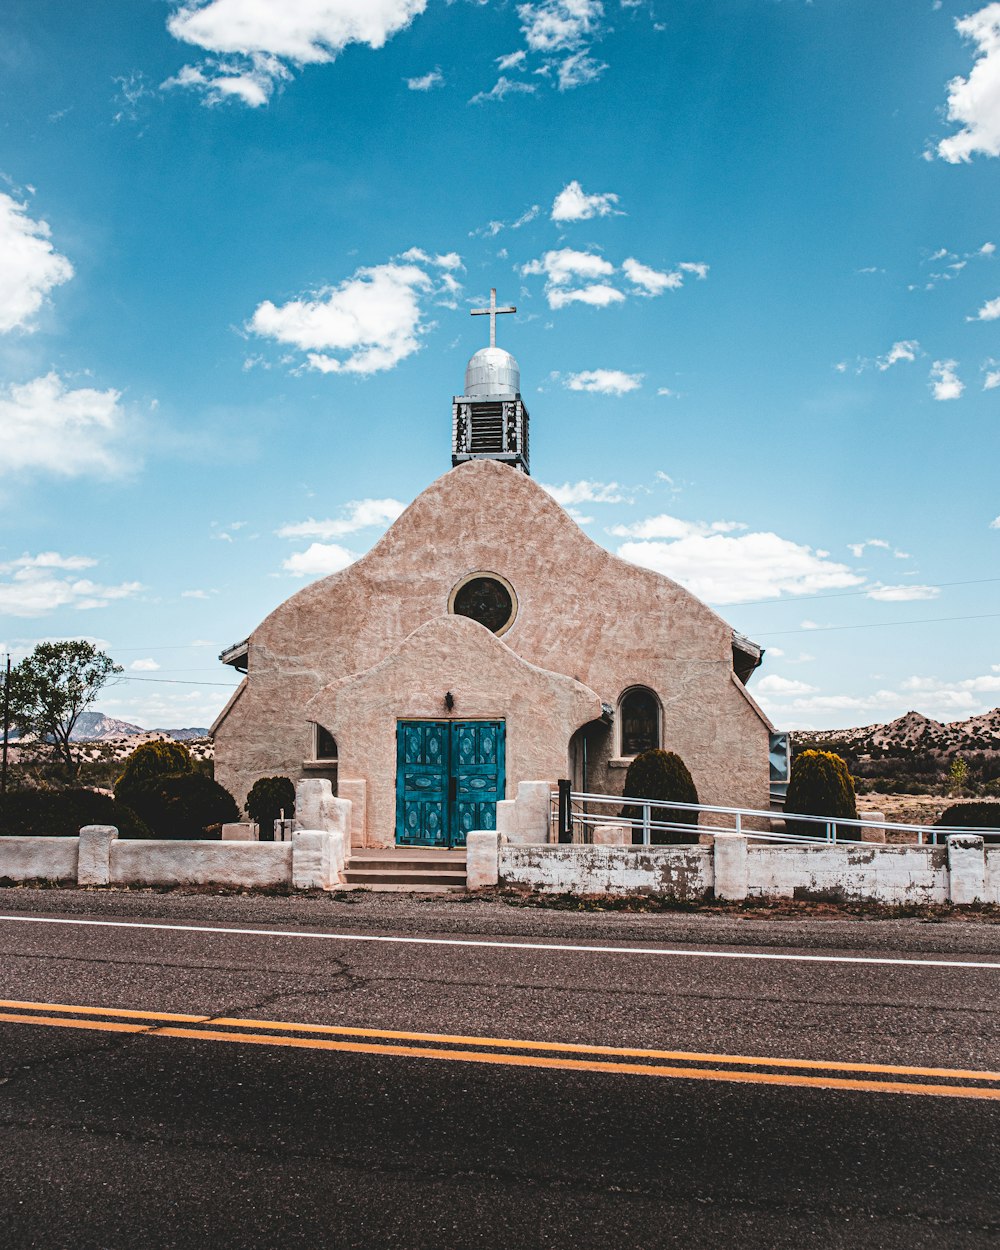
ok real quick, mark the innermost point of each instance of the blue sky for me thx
(753, 245)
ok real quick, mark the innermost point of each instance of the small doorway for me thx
(449, 777)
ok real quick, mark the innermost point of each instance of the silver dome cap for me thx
(492, 371)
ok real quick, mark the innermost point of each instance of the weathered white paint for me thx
(880, 874)
(259, 865)
(481, 858)
(525, 819)
(683, 872)
(38, 859)
(316, 808)
(94, 860)
(966, 868)
(355, 790)
(731, 875)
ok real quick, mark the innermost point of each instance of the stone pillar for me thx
(241, 831)
(612, 835)
(966, 868)
(875, 833)
(526, 818)
(94, 866)
(731, 871)
(315, 856)
(482, 857)
(316, 808)
(357, 793)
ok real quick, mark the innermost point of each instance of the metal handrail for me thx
(831, 825)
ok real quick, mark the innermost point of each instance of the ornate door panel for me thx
(449, 777)
(477, 764)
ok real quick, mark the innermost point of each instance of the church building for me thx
(449, 664)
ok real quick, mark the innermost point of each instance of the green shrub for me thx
(660, 775)
(984, 815)
(153, 759)
(183, 805)
(62, 813)
(820, 785)
(268, 798)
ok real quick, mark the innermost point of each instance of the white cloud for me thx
(44, 426)
(992, 380)
(561, 266)
(858, 549)
(905, 349)
(651, 281)
(902, 594)
(775, 685)
(373, 320)
(600, 295)
(198, 594)
(359, 514)
(974, 102)
(29, 265)
(990, 311)
(36, 585)
(726, 569)
(144, 666)
(255, 42)
(493, 228)
(559, 25)
(666, 526)
(697, 267)
(577, 70)
(995, 523)
(587, 492)
(945, 382)
(603, 381)
(427, 82)
(318, 560)
(574, 204)
(502, 88)
(512, 60)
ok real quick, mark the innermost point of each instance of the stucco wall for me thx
(678, 872)
(252, 864)
(582, 612)
(39, 859)
(487, 681)
(887, 874)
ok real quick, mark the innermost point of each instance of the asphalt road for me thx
(442, 1088)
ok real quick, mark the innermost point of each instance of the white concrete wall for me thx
(881, 874)
(683, 872)
(39, 859)
(260, 864)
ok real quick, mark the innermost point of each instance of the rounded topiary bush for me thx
(63, 813)
(984, 815)
(268, 798)
(183, 805)
(660, 775)
(153, 759)
(820, 785)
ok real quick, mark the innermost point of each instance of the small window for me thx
(640, 721)
(326, 744)
(487, 598)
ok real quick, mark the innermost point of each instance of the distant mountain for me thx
(96, 727)
(915, 732)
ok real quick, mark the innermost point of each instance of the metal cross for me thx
(492, 312)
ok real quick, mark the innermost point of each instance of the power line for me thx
(922, 620)
(174, 681)
(846, 594)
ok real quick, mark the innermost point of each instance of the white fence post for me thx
(731, 875)
(482, 858)
(966, 868)
(94, 864)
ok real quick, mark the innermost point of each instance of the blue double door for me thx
(449, 777)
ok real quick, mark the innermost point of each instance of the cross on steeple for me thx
(492, 312)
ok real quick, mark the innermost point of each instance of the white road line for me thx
(514, 946)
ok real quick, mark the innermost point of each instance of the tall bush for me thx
(984, 815)
(153, 759)
(820, 785)
(660, 775)
(183, 805)
(63, 813)
(268, 798)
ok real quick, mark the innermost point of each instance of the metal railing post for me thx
(646, 817)
(739, 822)
(565, 816)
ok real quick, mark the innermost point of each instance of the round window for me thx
(486, 598)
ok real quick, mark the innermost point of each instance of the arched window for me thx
(639, 717)
(326, 744)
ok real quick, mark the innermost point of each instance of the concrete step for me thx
(405, 875)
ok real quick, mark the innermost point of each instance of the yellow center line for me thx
(522, 1061)
(816, 1065)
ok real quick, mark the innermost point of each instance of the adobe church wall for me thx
(581, 612)
(487, 681)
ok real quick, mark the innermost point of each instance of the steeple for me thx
(490, 421)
